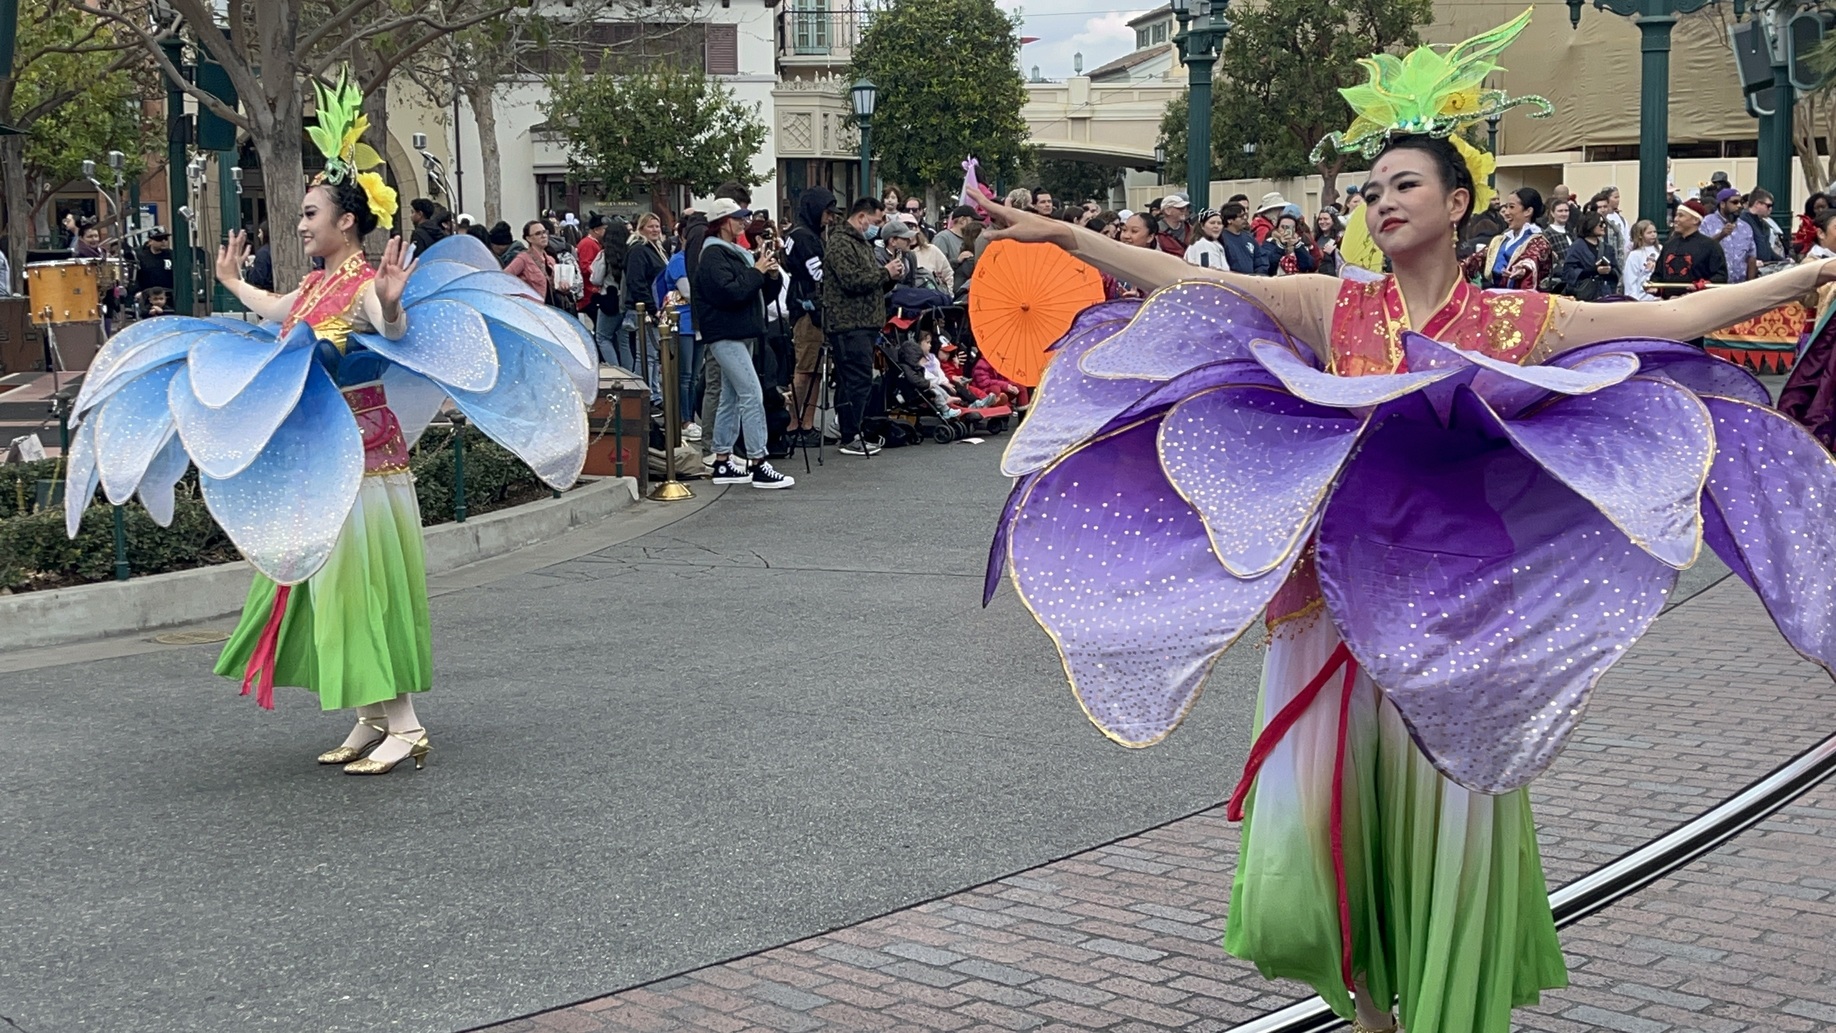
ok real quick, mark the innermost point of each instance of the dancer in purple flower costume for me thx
(1454, 509)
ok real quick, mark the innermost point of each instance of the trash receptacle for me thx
(618, 428)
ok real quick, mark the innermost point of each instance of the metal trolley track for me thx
(1630, 873)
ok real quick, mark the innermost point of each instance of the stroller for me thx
(912, 410)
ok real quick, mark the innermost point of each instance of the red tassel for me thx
(1265, 744)
(260, 671)
(1277, 729)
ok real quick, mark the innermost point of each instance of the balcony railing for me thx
(820, 29)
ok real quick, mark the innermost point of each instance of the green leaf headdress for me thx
(1427, 92)
(338, 135)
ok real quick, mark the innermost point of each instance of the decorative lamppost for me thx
(865, 95)
(1491, 144)
(1654, 19)
(1202, 28)
(1160, 163)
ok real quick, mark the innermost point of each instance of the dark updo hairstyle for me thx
(1587, 223)
(1531, 200)
(1447, 161)
(1823, 219)
(349, 197)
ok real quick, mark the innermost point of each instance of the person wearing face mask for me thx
(1413, 566)
(854, 287)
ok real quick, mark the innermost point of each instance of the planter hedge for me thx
(35, 553)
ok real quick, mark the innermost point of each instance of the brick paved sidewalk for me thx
(1126, 937)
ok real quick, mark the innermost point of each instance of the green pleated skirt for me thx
(356, 632)
(1449, 910)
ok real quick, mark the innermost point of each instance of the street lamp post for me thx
(1160, 164)
(1200, 39)
(1491, 145)
(1654, 19)
(865, 94)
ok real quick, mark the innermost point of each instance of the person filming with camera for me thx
(729, 294)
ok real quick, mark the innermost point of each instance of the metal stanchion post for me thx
(121, 560)
(459, 467)
(671, 490)
(640, 343)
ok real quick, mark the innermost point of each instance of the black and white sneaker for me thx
(860, 446)
(726, 471)
(763, 476)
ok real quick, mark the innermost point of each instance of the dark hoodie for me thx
(803, 251)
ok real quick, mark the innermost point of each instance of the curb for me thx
(62, 616)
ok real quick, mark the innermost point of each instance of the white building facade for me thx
(738, 47)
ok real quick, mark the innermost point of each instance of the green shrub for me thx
(35, 553)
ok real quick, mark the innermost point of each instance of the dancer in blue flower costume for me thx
(301, 427)
(1452, 509)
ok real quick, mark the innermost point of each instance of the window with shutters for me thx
(722, 50)
(810, 23)
(1141, 39)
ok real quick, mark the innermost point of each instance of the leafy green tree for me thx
(1072, 182)
(1278, 81)
(949, 86)
(662, 127)
(73, 89)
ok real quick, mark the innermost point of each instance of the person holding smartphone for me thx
(1287, 251)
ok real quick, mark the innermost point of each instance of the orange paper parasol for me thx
(1022, 299)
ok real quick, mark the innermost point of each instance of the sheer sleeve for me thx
(368, 317)
(1579, 323)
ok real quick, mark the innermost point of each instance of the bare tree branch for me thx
(432, 35)
(236, 64)
(150, 43)
(58, 100)
(337, 21)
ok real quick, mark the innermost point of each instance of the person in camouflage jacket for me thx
(853, 311)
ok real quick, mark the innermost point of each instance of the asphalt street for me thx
(783, 713)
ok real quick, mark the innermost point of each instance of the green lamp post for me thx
(1202, 28)
(1654, 19)
(865, 95)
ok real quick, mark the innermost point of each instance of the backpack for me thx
(598, 273)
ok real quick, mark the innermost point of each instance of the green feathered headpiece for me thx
(338, 135)
(1427, 92)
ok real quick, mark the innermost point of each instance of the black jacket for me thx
(642, 265)
(803, 252)
(427, 234)
(1685, 260)
(1582, 264)
(728, 295)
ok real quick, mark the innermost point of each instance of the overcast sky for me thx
(1097, 28)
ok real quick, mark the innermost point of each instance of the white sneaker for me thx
(691, 432)
(763, 476)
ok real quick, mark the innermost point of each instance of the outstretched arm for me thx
(1302, 304)
(382, 303)
(1694, 315)
(230, 257)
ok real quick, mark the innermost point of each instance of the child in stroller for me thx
(913, 397)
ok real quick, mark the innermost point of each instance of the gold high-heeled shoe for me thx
(346, 754)
(418, 749)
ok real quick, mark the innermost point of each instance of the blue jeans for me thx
(608, 340)
(688, 367)
(742, 400)
(654, 375)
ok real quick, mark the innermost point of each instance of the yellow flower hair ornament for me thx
(338, 134)
(1429, 93)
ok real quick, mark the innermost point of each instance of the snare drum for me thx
(68, 289)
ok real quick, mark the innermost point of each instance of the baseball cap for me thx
(158, 233)
(1726, 194)
(897, 229)
(725, 208)
(1695, 205)
(1175, 201)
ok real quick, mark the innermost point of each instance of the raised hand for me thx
(1027, 227)
(392, 273)
(231, 256)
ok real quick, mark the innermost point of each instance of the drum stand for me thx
(54, 359)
